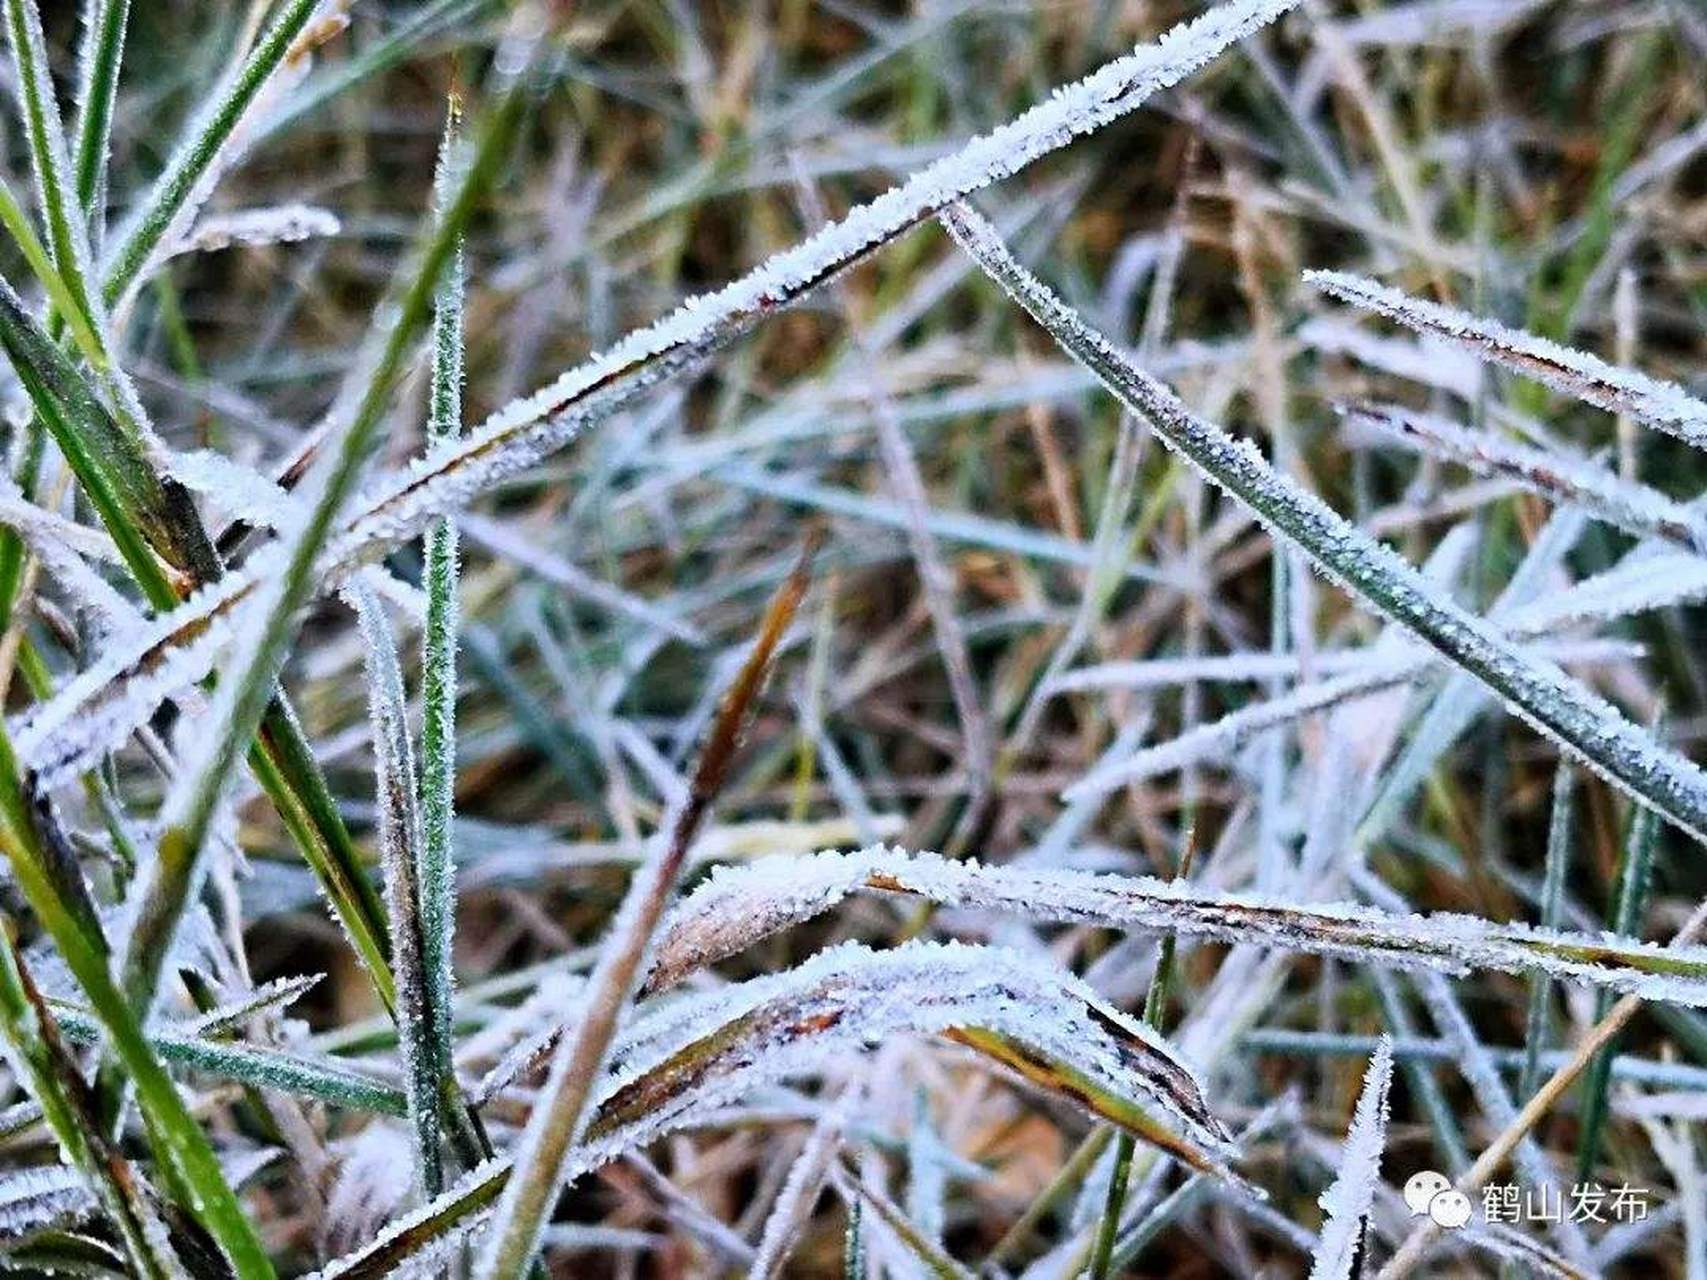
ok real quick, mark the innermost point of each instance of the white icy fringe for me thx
(236, 490)
(681, 1064)
(738, 906)
(1576, 373)
(1348, 1200)
(63, 548)
(400, 852)
(1538, 693)
(110, 699)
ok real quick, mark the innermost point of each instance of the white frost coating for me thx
(62, 546)
(372, 1183)
(30, 520)
(738, 906)
(281, 224)
(1637, 584)
(673, 1069)
(32, 1200)
(236, 490)
(1538, 693)
(1576, 373)
(108, 701)
(269, 997)
(1645, 512)
(1348, 1200)
(926, 988)
(521, 433)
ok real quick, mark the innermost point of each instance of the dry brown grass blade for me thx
(559, 1118)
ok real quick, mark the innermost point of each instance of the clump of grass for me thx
(480, 699)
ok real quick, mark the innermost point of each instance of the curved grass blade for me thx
(691, 1058)
(1564, 710)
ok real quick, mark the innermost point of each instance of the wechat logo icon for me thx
(1430, 1194)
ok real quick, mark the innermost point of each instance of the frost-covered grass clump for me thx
(841, 639)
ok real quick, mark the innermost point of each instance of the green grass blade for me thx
(1630, 897)
(436, 875)
(35, 253)
(101, 54)
(178, 1141)
(1559, 832)
(39, 1056)
(172, 195)
(50, 161)
(1155, 1006)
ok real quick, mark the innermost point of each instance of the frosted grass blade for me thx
(1637, 509)
(400, 858)
(1576, 373)
(1348, 1201)
(1551, 702)
(436, 872)
(99, 56)
(738, 906)
(684, 1061)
